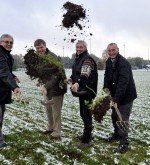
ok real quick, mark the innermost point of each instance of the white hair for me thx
(111, 44)
(81, 42)
(6, 36)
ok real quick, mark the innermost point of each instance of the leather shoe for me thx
(121, 149)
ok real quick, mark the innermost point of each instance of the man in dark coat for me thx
(118, 80)
(7, 79)
(84, 79)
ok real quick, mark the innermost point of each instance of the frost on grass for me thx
(48, 157)
(4, 160)
(28, 120)
(116, 161)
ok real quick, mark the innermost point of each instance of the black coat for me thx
(119, 80)
(7, 81)
(83, 82)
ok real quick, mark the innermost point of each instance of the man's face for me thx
(7, 43)
(112, 51)
(41, 49)
(80, 48)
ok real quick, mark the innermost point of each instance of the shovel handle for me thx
(118, 113)
(70, 83)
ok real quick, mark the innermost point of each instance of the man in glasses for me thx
(8, 81)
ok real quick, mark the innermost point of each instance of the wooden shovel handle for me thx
(118, 113)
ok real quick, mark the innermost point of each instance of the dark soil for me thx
(39, 67)
(101, 108)
(75, 16)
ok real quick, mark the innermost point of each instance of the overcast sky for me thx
(126, 22)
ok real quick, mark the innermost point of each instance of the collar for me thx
(80, 55)
(6, 51)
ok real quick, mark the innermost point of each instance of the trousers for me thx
(2, 110)
(86, 116)
(125, 111)
(53, 112)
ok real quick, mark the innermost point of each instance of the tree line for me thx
(136, 62)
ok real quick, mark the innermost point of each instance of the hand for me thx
(75, 87)
(43, 91)
(17, 91)
(39, 83)
(114, 104)
(68, 81)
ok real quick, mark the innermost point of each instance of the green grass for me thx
(28, 146)
(24, 144)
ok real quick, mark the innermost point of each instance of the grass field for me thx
(23, 124)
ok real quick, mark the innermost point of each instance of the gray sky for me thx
(125, 22)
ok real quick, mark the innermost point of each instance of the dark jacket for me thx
(55, 86)
(119, 80)
(7, 81)
(88, 84)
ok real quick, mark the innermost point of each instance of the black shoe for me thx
(3, 145)
(121, 149)
(47, 132)
(114, 137)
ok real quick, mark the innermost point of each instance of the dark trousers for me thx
(2, 110)
(86, 116)
(125, 111)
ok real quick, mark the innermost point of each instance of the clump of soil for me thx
(37, 68)
(73, 15)
(44, 67)
(100, 108)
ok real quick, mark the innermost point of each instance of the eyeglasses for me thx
(8, 42)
